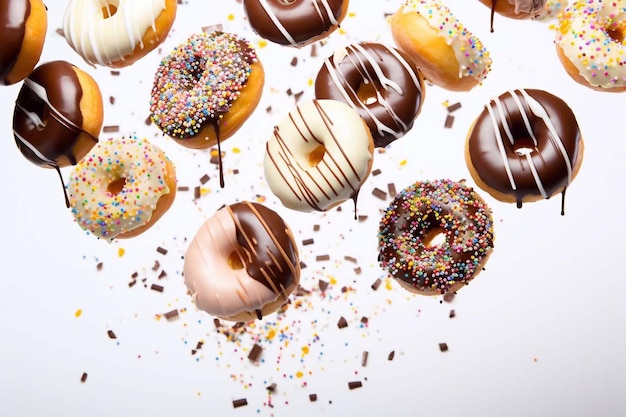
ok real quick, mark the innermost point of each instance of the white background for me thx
(540, 332)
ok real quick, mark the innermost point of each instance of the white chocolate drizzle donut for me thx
(318, 156)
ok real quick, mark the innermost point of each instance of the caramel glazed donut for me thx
(23, 26)
(381, 83)
(319, 156)
(243, 263)
(116, 33)
(524, 146)
(58, 115)
(411, 227)
(295, 22)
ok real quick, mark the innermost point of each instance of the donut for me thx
(435, 236)
(243, 263)
(591, 43)
(295, 22)
(23, 26)
(552, 9)
(318, 156)
(117, 33)
(446, 53)
(524, 146)
(378, 81)
(121, 188)
(205, 89)
(515, 9)
(58, 115)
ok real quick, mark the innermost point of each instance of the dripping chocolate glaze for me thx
(268, 252)
(300, 19)
(47, 119)
(399, 99)
(13, 16)
(547, 155)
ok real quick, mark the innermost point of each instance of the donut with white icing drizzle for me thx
(116, 33)
(318, 156)
(295, 22)
(380, 82)
(524, 146)
(515, 9)
(242, 263)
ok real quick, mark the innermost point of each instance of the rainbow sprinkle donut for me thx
(435, 236)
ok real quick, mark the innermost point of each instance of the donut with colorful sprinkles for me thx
(435, 236)
(121, 188)
(591, 43)
(206, 88)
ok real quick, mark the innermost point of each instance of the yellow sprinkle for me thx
(299, 374)
(342, 31)
(403, 162)
(121, 252)
(236, 150)
(262, 43)
(333, 281)
(270, 334)
(388, 284)
(351, 14)
(310, 81)
(305, 350)
(78, 313)
(231, 17)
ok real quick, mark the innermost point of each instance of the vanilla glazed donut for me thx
(378, 81)
(295, 22)
(435, 236)
(23, 26)
(515, 9)
(243, 263)
(205, 90)
(117, 33)
(121, 188)
(318, 156)
(446, 53)
(591, 43)
(58, 115)
(525, 146)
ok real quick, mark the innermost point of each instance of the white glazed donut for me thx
(116, 33)
(243, 263)
(319, 156)
(121, 188)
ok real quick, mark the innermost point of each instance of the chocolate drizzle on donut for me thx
(379, 82)
(47, 119)
(293, 22)
(13, 16)
(525, 143)
(265, 247)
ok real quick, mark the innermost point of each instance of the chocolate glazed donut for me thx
(379, 82)
(524, 146)
(47, 119)
(294, 22)
(13, 16)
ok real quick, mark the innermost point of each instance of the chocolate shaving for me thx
(156, 287)
(171, 315)
(83, 377)
(204, 179)
(162, 251)
(449, 121)
(109, 129)
(112, 100)
(197, 193)
(323, 285)
(132, 283)
(148, 121)
(314, 50)
(443, 347)
(312, 397)
(298, 95)
(111, 334)
(134, 275)
(355, 384)
(217, 323)
(162, 275)
(364, 320)
(377, 192)
(350, 258)
(454, 107)
(342, 323)
(391, 189)
(240, 402)
(307, 242)
(452, 314)
(448, 297)
(364, 356)
(294, 61)
(357, 270)
(182, 188)
(316, 227)
(99, 266)
(255, 353)
(115, 73)
(362, 217)
(376, 172)
(271, 387)
(376, 284)
(302, 265)
(156, 265)
(322, 257)
(391, 355)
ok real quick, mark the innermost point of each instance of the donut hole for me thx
(109, 10)
(367, 93)
(434, 237)
(523, 146)
(234, 261)
(316, 156)
(116, 186)
(616, 34)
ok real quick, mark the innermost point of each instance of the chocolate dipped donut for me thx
(295, 22)
(58, 115)
(243, 263)
(524, 146)
(380, 82)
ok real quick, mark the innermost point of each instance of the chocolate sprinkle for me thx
(376, 284)
(312, 397)
(342, 323)
(204, 179)
(454, 107)
(171, 315)
(391, 355)
(443, 347)
(452, 314)
(83, 377)
(376, 172)
(255, 353)
(307, 242)
(109, 129)
(240, 402)
(377, 192)
(111, 334)
(322, 257)
(364, 358)
(156, 265)
(162, 251)
(355, 384)
(271, 387)
(448, 297)
(323, 285)
(391, 188)
(156, 287)
(449, 121)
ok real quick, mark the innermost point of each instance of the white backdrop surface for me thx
(539, 333)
